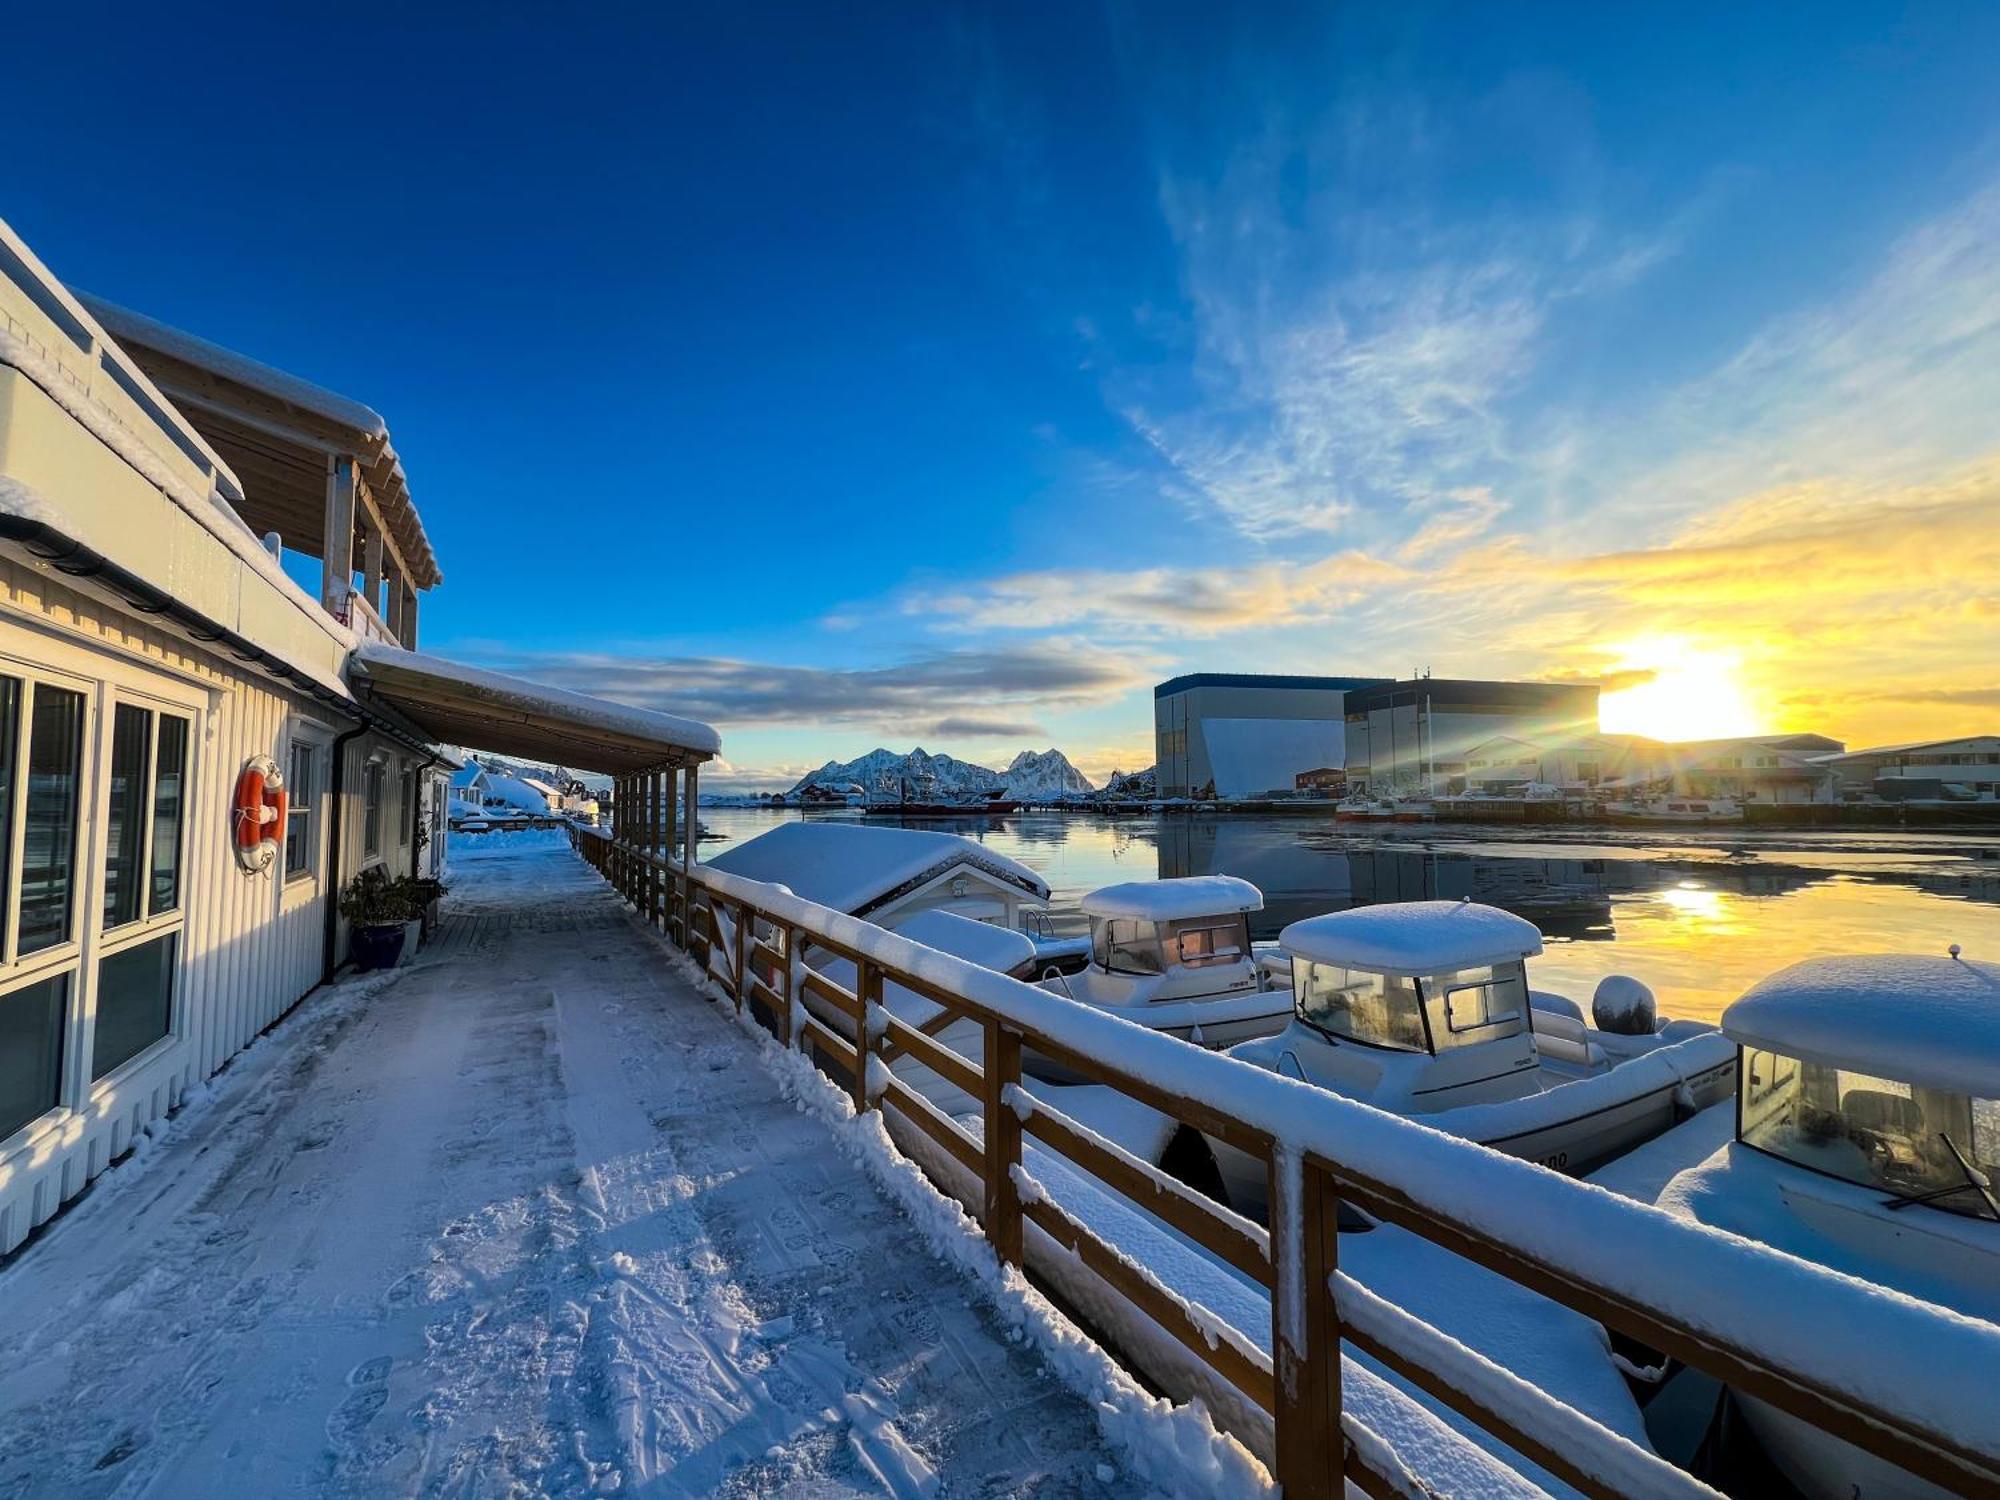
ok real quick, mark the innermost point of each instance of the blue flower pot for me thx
(376, 947)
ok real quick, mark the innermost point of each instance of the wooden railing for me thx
(1727, 1307)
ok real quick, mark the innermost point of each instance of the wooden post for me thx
(371, 566)
(649, 789)
(676, 906)
(1003, 1143)
(1305, 1328)
(868, 991)
(337, 563)
(407, 631)
(741, 988)
(690, 826)
(790, 937)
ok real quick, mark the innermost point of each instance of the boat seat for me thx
(1881, 1113)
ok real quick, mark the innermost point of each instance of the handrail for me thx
(1750, 1316)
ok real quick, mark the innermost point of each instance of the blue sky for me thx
(949, 375)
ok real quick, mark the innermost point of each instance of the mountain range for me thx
(883, 775)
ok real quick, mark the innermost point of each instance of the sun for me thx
(1678, 692)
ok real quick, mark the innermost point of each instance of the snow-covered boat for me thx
(1175, 955)
(1423, 1008)
(1674, 812)
(1384, 810)
(1867, 1139)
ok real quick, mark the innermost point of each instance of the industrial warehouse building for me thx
(1245, 734)
(196, 753)
(1956, 769)
(1421, 735)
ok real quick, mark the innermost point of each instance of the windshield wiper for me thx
(1975, 1180)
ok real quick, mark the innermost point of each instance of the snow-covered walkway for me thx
(527, 1217)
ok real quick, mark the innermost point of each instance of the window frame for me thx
(307, 807)
(374, 796)
(151, 926)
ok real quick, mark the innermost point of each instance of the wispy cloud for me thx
(922, 693)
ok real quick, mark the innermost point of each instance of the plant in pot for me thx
(424, 892)
(376, 908)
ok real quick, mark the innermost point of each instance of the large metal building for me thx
(1417, 736)
(1247, 734)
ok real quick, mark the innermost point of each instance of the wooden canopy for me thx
(457, 704)
(280, 434)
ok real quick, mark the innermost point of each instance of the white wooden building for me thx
(152, 648)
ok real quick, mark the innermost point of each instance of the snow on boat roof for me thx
(459, 704)
(1174, 899)
(1931, 1021)
(854, 867)
(1414, 937)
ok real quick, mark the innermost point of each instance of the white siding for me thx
(252, 945)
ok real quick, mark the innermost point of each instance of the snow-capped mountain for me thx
(1044, 773)
(919, 776)
(883, 775)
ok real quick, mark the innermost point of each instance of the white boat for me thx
(1175, 955)
(1670, 812)
(1423, 1008)
(1866, 1139)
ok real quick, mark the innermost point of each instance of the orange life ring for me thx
(259, 813)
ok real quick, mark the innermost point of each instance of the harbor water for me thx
(1700, 916)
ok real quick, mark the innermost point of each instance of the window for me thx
(1379, 1010)
(33, 1019)
(1126, 947)
(1476, 1005)
(135, 1001)
(142, 830)
(406, 806)
(1923, 1144)
(301, 788)
(373, 778)
(1208, 941)
(48, 853)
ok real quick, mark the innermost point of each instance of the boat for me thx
(1674, 812)
(978, 808)
(1866, 1138)
(1384, 810)
(1175, 955)
(1423, 1008)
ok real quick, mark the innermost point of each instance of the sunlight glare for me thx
(1693, 694)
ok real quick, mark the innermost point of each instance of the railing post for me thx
(867, 991)
(1003, 1143)
(741, 987)
(790, 937)
(1305, 1328)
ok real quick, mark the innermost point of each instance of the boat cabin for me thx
(1881, 1071)
(1416, 1006)
(1153, 929)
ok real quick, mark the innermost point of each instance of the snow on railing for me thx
(1907, 1381)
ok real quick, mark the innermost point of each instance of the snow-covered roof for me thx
(466, 705)
(124, 325)
(981, 943)
(470, 774)
(1175, 899)
(855, 867)
(1414, 937)
(1907, 1017)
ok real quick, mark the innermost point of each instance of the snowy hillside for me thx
(1044, 773)
(885, 775)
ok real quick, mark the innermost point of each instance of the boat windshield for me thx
(1380, 1010)
(1126, 947)
(1917, 1144)
(1470, 1006)
(1201, 942)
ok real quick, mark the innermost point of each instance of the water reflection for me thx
(1698, 917)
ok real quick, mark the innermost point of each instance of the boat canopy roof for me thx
(856, 867)
(1414, 937)
(1929, 1021)
(1175, 899)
